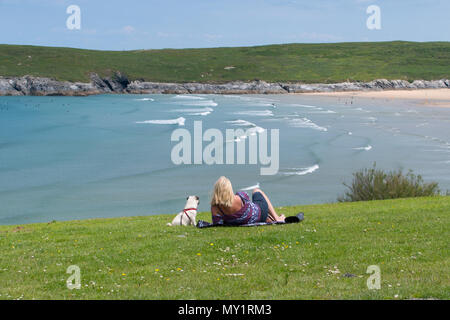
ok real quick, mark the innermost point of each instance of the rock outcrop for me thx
(34, 86)
(119, 83)
(375, 85)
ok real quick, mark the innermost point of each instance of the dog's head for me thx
(192, 202)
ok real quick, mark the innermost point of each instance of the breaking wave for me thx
(305, 123)
(242, 123)
(188, 97)
(198, 103)
(179, 121)
(252, 129)
(251, 187)
(256, 113)
(301, 171)
(196, 112)
(145, 99)
(366, 148)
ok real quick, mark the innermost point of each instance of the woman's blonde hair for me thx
(223, 193)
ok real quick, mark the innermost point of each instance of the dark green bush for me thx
(376, 184)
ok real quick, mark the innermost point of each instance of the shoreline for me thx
(119, 84)
(426, 97)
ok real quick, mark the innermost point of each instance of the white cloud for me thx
(128, 29)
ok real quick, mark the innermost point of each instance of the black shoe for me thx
(295, 219)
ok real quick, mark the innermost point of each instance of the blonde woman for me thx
(237, 209)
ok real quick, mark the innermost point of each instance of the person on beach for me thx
(236, 209)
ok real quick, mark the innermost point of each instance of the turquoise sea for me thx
(65, 158)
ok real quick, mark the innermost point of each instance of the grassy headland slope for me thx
(308, 63)
(325, 257)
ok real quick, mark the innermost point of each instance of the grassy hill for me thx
(309, 63)
(324, 257)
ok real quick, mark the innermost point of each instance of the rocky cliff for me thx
(118, 83)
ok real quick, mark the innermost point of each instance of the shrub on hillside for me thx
(376, 184)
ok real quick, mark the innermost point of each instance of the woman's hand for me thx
(281, 218)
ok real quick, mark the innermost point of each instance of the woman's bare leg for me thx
(273, 216)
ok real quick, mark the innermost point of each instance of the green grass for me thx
(140, 257)
(325, 63)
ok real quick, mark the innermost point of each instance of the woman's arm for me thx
(216, 215)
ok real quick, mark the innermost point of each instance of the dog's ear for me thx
(198, 199)
(187, 198)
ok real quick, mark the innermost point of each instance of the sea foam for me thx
(305, 123)
(195, 111)
(366, 148)
(251, 187)
(252, 129)
(145, 99)
(182, 96)
(301, 171)
(241, 123)
(256, 113)
(179, 121)
(198, 103)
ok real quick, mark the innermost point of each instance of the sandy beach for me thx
(425, 97)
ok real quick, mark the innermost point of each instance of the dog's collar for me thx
(185, 211)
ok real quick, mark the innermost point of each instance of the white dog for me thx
(189, 213)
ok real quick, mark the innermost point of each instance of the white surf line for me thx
(179, 121)
(304, 123)
(145, 99)
(322, 112)
(194, 101)
(195, 112)
(321, 109)
(186, 97)
(367, 148)
(252, 129)
(251, 187)
(305, 106)
(255, 113)
(200, 113)
(302, 171)
(197, 103)
(240, 122)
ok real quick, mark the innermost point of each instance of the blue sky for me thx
(150, 24)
